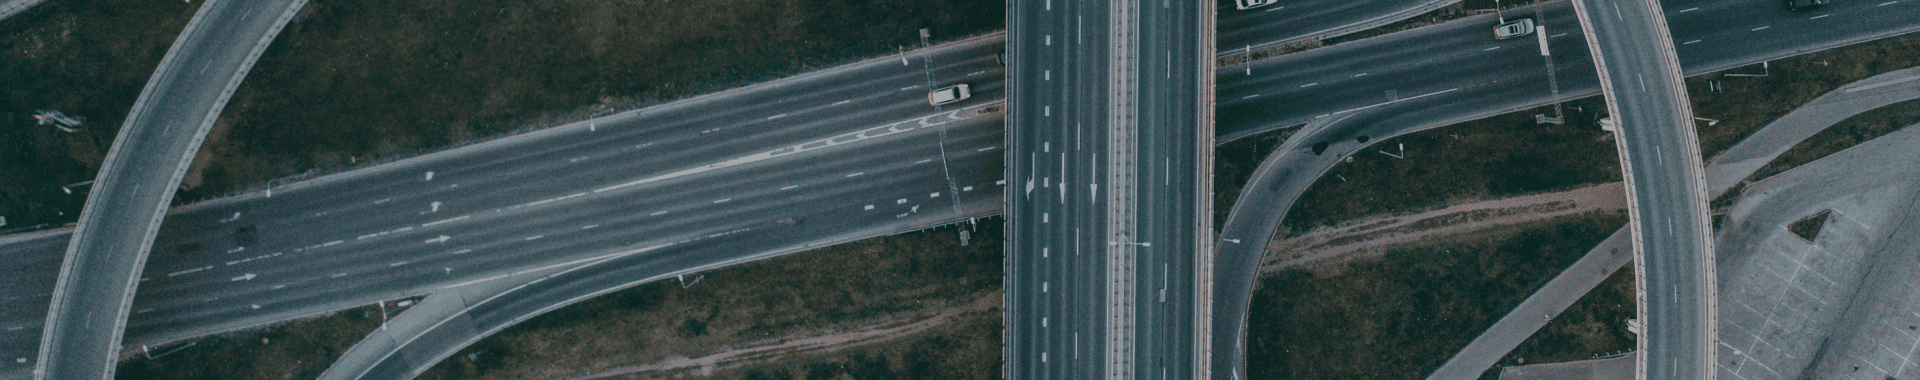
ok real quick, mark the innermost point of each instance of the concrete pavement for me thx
(95, 289)
(1755, 151)
(1843, 305)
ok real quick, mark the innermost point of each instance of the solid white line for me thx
(657, 213)
(856, 174)
(333, 243)
(1401, 100)
(1689, 10)
(724, 200)
(397, 264)
(1492, 48)
(984, 149)
(1310, 84)
(1818, 17)
(776, 116)
(1689, 42)
(790, 187)
(589, 227)
(462, 251)
(1759, 28)
(1888, 3)
(542, 202)
(1359, 75)
(1249, 96)
(535, 237)
(842, 102)
(445, 221)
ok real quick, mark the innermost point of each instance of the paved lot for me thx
(1791, 309)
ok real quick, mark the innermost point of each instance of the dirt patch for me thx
(1809, 228)
(1372, 236)
(760, 352)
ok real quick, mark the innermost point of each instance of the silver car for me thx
(1513, 29)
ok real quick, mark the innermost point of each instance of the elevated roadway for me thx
(1057, 199)
(136, 182)
(1666, 189)
(1443, 74)
(503, 207)
(1171, 179)
(343, 207)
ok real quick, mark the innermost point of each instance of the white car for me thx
(949, 95)
(1513, 29)
(1251, 4)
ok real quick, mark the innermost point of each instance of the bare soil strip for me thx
(774, 350)
(1368, 236)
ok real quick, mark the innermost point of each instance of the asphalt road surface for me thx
(1172, 181)
(207, 301)
(374, 234)
(1057, 143)
(1434, 76)
(1291, 21)
(1666, 190)
(814, 219)
(108, 249)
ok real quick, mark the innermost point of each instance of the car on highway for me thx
(1515, 28)
(1804, 5)
(949, 95)
(1251, 4)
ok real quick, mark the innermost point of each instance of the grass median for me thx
(1842, 135)
(1403, 314)
(1496, 157)
(846, 310)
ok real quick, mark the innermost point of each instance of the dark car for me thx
(1804, 5)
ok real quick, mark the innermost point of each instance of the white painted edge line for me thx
(445, 221)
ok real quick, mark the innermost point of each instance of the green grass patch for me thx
(1595, 326)
(1842, 135)
(1809, 227)
(967, 348)
(1401, 315)
(87, 59)
(1500, 156)
(1745, 104)
(1234, 164)
(299, 349)
(895, 277)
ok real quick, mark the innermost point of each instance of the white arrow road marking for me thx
(249, 276)
(441, 239)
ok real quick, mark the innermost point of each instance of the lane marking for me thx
(1818, 17)
(1310, 84)
(659, 213)
(1359, 75)
(1887, 3)
(842, 102)
(790, 187)
(1883, 84)
(1249, 96)
(535, 237)
(1759, 28)
(723, 200)
(589, 227)
(869, 207)
(776, 116)
(1689, 42)
(462, 251)
(845, 138)
(1689, 10)
(398, 264)
(922, 161)
(333, 243)
(429, 176)
(445, 221)
(856, 174)
(1492, 48)
(1397, 101)
(985, 149)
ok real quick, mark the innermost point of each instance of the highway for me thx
(1172, 156)
(813, 219)
(174, 112)
(1449, 73)
(1058, 139)
(1293, 21)
(516, 170)
(1666, 188)
(373, 234)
